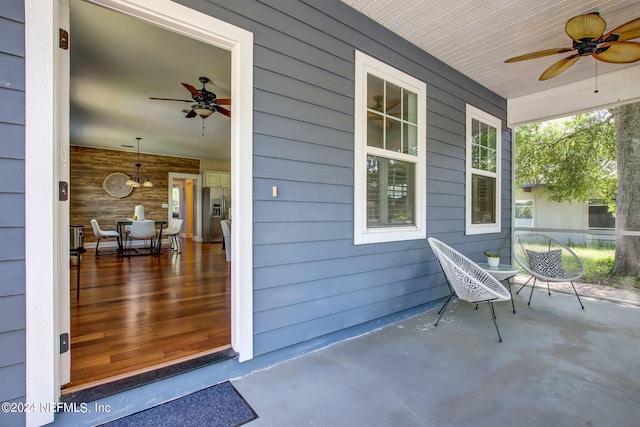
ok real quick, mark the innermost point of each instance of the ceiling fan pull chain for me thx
(596, 91)
(202, 127)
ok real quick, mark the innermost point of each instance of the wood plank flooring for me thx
(144, 312)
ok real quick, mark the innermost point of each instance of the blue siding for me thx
(12, 263)
(309, 277)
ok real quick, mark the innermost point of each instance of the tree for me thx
(589, 156)
(575, 157)
(627, 121)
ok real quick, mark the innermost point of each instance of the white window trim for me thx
(475, 113)
(364, 65)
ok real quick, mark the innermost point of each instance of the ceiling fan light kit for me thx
(587, 33)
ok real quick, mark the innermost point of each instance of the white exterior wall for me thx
(548, 214)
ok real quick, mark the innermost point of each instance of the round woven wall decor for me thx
(115, 184)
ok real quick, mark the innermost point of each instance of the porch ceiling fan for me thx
(587, 33)
(205, 102)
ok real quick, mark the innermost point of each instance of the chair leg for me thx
(441, 312)
(493, 316)
(513, 307)
(576, 292)
(178, 244)
(525, 284)
(97, 244)
(532, 287)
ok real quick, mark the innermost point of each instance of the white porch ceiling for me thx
(118, 62)
(475, 37)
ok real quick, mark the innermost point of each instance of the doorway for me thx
(185, 202)
(47, 283)
(188, 192)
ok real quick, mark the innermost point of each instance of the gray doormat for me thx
(217, 406)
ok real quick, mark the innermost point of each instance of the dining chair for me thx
(101, 234)
(173, 232)
(468, 281)
(142, 230)
(546, 259)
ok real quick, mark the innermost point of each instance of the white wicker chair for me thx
(546, 259)
(467, 280)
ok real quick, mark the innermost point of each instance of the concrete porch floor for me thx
(558, 366)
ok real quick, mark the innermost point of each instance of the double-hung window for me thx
(482, 172)
(390, 154)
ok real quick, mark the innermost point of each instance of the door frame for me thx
(45, 272)
(198, 180)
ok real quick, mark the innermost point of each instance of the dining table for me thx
(121, 225)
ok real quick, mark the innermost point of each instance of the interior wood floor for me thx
(140, 313)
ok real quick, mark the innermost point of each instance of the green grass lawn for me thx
(597, 266)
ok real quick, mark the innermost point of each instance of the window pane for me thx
(483, 200)
(390, 192)
(410, 106)
(483, 141)
(410, 135)
(375, 130)
(375, 93)
(394, 100)
(394, 135)
(600, 217)
(524, 213)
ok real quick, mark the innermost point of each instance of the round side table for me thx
(503, 272)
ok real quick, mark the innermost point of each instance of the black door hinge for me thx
(64, 343)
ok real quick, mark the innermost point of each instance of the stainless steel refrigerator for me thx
(216, 204)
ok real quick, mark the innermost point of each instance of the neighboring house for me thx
(533, 209)
(343, 247)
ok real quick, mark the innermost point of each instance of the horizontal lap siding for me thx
(12, 167)
(309, 277)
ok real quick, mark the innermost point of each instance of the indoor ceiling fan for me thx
(205, 102)
(378, 118)
(587, 33)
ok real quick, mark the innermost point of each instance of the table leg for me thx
(510, 293)
(119, 240)
(78, 276)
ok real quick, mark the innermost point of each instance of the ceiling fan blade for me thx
(559, 67)
(223, 101)
(393, 103)
(589, 26)
(193, 90)
(171, 99)
(224, 111)
(618, 52)
(539, 54)
(628, 31)
(190, 114)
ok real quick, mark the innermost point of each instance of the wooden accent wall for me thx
(90, 166)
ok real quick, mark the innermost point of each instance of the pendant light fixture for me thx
(134, 181)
